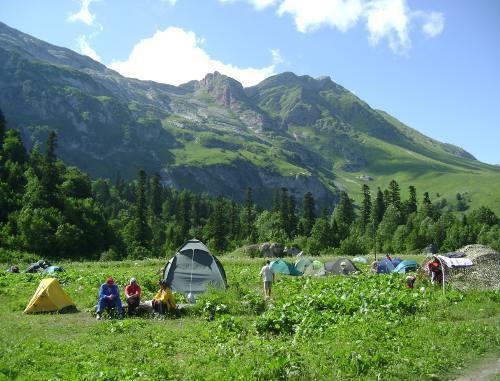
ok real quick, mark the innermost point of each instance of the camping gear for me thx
(396, 261)
(406, 266)
(282, 267)
(385, 266)
(53, 269)
(193, 269)
(35, 267)
(360, 260)
(49, 297)
(13, 269)
(302, 264)
(342, 266)
(455, 262)
(316, 268)
(454, 254)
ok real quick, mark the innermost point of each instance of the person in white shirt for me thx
(267, 275)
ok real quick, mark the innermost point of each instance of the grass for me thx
(218, 338)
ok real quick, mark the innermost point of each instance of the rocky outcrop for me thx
(233, 179)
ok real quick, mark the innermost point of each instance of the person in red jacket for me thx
(133, 295)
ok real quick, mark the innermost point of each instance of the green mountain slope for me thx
(214, 135)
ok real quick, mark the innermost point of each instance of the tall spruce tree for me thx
(366, 207)
(49, 176)
(248, 217)
(142, 228)
(217, 226)
(309, 214)
(378, 208)
(292, 217)
(395, 195)
(156, 195)
(344, 214)
(411, 203)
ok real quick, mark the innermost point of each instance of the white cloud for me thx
(434, 24)
(258, 4)
(388, 20)
(171, 2)
(312, 14)
(174, 56)
(85, 48)
(277, 58)
(83, 15)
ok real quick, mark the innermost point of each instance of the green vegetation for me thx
(314, 328)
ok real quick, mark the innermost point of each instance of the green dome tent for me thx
(316, 268)
(302, 264)
(193, 269)
(280, 266)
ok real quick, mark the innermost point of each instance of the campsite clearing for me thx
(419, 335)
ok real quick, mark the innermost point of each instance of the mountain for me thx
(298, 132)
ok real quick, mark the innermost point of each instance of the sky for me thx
(434, 65)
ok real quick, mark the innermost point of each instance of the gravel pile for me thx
(485, 274)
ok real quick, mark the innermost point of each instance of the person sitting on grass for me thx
(109, 297)
(133, 295)
(164, 299)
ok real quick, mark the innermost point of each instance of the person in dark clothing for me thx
(35, 267)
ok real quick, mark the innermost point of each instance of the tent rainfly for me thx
(49, 297)
(193, 269)
(406, 266)
(280, 266)
(342, 266)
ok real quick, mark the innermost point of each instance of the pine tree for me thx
(378, 208)
(366, 207)
(142, 228)
(156, 195)
(217, 226)
(411, 204)
(248, 217)
(394, 195)
(309, 216)
(49, 176)
(344, 214)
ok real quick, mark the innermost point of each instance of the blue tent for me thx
(406, 266)
(282, 267)
(360, 260)
(385, 266)
(53, 269)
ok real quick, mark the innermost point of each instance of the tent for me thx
(360, 260)
(53, 269)
(280, 266)
(316, 268)
(406, 266)
(342, 266)
(193, 269)
(385, 266)
(49, 297)
(302, 264)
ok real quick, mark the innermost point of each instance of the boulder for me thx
(291, 251)
(268, 249)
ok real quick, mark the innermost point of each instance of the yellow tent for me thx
(48, 297)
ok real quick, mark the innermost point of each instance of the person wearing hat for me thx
(133, 295)
(164, 299)
(109, 297)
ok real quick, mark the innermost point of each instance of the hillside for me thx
(213, 135)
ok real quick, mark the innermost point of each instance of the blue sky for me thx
(435, 65)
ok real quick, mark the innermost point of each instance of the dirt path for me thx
(484, 371)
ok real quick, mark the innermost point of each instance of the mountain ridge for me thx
(302, 132)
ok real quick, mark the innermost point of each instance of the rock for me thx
(268, 249)
(291, 251)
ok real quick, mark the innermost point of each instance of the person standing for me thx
(133, 295)
(109, 297)
(267, 275)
